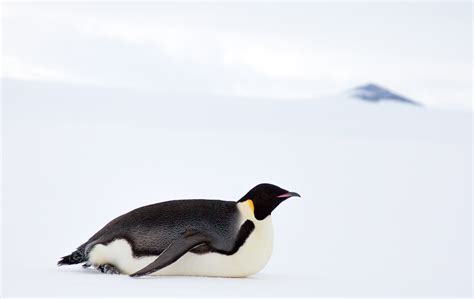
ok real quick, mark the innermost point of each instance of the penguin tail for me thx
(76, 257)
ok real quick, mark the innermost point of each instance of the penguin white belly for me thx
(251, 257)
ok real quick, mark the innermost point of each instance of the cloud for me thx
(14, 67)
(225, 50)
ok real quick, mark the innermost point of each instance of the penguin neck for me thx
(246, 209)
(259, 210)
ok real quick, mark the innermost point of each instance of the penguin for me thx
(191, 237)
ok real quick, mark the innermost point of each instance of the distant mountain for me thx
(375, 93)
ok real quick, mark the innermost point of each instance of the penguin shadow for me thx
(93, 271)
(82, 271)
(255, 277)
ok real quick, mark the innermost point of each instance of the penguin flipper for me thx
(173, 252)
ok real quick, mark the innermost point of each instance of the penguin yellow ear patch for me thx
(250, 202)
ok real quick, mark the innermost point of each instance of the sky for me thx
(259, 50)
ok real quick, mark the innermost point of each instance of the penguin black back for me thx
(169, 220)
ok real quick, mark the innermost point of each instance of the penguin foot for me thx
(108, 269)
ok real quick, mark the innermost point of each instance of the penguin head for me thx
(265, 198)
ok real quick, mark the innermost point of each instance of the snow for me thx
(386, 188)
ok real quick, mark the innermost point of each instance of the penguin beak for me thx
(288, 195)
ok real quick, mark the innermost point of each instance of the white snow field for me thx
(386, 188)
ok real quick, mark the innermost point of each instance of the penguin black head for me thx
(265, 198)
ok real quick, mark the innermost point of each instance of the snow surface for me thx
(386, 188)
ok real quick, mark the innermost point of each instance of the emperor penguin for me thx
(192, 237)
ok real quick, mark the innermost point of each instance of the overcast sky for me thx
(271, 50)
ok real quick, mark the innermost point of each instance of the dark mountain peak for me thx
(375, 93)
